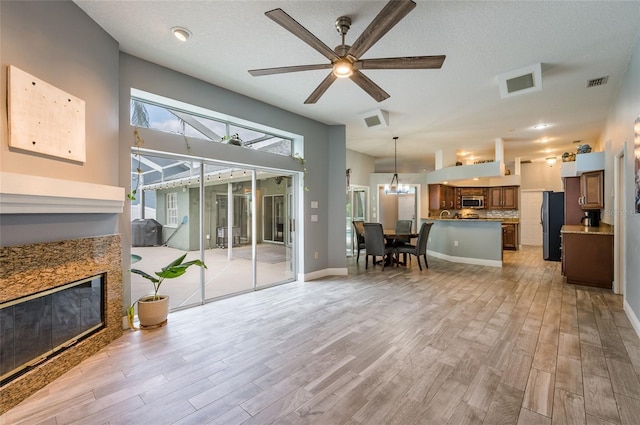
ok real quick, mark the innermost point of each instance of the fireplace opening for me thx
(39, 326)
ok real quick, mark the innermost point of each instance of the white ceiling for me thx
(456, 107)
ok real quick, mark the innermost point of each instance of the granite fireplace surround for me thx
(28, 269)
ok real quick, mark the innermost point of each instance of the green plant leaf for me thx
(145, 275)
(175, 262)
(130, 315)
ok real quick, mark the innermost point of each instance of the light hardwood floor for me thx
(454, 344)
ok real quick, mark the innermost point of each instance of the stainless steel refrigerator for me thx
(552, 217)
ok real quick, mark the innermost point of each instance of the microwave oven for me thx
(472, 202)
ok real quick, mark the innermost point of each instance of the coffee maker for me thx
(591, 218)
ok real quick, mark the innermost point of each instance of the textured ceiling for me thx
(456, 107)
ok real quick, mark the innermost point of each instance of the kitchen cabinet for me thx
(510, 236)
(468, 191)
(582, 193)
(573, 213)
(441, 197)
(502, 197)
(587, 258)
(592, 190)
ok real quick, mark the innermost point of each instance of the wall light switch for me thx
(314, 204)
(314, 217)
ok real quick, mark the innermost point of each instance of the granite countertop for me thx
(603, 229)
(503, 220)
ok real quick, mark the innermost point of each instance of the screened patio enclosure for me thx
(240, 221)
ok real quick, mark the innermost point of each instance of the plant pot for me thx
(153, 313)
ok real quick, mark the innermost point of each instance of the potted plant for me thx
(154, 309)
(234, 139)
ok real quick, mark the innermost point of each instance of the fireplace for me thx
(91, 269)
(36, 327)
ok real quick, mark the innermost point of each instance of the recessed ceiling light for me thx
(540, 126)
(181, 33)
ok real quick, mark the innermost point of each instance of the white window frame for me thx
(172, 209)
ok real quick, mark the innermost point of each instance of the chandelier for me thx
(395, 186)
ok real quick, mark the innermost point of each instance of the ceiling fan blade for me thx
(409, 62)
(287, 22)
(284, 69)
(319, 91)
(369, 86)
(388, 17)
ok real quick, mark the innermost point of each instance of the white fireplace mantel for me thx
(27, 194)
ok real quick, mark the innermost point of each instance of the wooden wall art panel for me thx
(44, 119)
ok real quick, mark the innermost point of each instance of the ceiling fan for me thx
(345, 60)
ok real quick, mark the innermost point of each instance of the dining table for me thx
(391, 238)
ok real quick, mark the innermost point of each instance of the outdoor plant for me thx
(174, 269)
(302, 162)
(234, 139)
(137, 143)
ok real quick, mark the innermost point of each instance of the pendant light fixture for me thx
(395, 187)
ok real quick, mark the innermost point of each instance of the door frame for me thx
(350, 218)
(620, 199)
(417, 192)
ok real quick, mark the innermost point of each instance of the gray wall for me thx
(618, 132)
(58, 43)
(361, 166)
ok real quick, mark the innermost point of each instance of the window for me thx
(204, 124)
(172, 209)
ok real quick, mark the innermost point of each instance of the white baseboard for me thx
(632, 317)
(465, 260)
(318, 274)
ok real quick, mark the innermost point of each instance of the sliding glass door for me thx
(275, 253)
(242, 231)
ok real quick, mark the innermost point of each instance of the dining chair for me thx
(403, 226)
(420, 248)
(375, 246)
(358, 227)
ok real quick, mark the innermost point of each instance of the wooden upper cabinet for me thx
(494, 198)
(592, 190)
(442, 197)
(502, 197)
(450, 197)
(510, 197)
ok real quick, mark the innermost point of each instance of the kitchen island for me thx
(470, 241)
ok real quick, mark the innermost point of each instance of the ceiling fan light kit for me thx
(342, 68)
(345, 61)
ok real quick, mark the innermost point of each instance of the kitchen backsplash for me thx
(502, 214)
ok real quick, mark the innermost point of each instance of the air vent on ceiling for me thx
(597, 81)
(376, 119)
(520, 81)
(525, 161)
